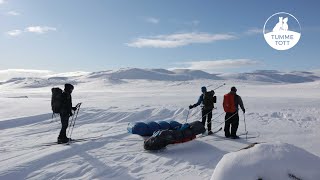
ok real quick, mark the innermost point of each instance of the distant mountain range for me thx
(46, 79)
(187, 74)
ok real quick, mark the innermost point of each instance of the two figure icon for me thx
(281, 25)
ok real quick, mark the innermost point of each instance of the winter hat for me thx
(68, 87)
(203, 89)
(234, 89)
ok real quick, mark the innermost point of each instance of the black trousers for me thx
(207, 114)
(233, 122)
(64, 125)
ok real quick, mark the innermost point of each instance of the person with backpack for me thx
(207, 99)
(231, 102)
(65, 112)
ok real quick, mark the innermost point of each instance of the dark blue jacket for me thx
(200, 100)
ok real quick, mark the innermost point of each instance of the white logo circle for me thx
(282, 36)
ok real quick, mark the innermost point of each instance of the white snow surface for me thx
(283, 112)
(268, 161)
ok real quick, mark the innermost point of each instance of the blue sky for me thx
(216, 36)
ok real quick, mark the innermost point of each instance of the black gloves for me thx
(191, 106)
(74, 108)
(244, 111)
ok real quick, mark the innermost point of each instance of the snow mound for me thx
(268, 161)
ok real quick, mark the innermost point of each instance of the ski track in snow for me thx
(26, 123)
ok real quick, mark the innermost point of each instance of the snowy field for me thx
(275, 112)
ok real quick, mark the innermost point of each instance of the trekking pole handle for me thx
(79, 104)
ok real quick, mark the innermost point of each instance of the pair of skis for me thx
(246, 134)
(70, 142)
(214, 132)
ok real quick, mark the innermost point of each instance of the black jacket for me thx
(66, 105)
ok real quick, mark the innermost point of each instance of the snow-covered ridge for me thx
(274, 76)
(39, 78)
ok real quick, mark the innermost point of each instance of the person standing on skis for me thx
(207, 99)
(231, 102)
(65, 112)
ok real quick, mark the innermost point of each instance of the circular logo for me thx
(282, 31)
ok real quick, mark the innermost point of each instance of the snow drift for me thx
(268, 161)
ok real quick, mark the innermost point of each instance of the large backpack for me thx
(56, 100)
(228, 103)
(159, 140)
(209, 100)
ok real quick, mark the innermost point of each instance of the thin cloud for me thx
(39, 29)
(253, 31)
(220, 64)
(2, 2)
(178, 40)
(31, 29)
(152, 20)
(14, 33)
(13, 13)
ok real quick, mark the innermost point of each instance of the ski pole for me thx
(187, 115)
(245, 125)
(208, 113)
(70, 123)
(74, 122)
(72, 119)
(194, 113)
(217, 116)
(54, 118)
(226, 120)
(218, 86)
